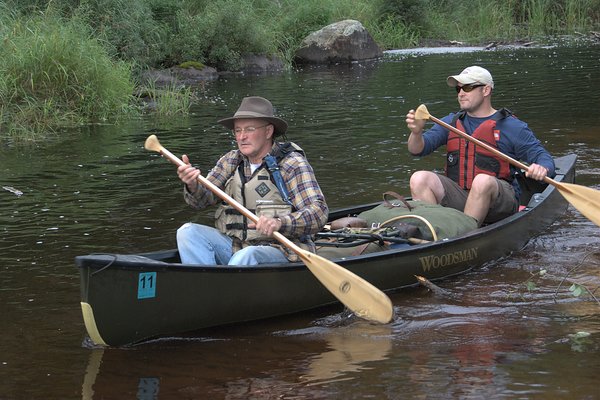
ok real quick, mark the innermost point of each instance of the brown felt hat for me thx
(256, 107)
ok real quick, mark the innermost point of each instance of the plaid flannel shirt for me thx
(311, 210)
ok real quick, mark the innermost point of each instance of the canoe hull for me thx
(127, 299)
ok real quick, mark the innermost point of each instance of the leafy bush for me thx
(137, 30)
(220, 34)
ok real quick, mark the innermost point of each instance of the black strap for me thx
(235, 226)
(273, 168)
(283, 149)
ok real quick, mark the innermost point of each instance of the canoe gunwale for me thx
(95, 258)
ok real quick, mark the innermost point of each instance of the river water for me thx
(98, 190)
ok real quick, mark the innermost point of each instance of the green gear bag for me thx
(429, 218)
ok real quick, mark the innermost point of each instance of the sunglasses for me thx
(467, 88)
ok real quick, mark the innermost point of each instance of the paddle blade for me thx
(362, 298)
(584, 199)
(422, 112)
(152, 144)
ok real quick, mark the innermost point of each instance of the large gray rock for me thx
(341, 42)
(191, 76)
(261, 64)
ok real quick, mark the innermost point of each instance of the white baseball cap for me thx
(470, 75)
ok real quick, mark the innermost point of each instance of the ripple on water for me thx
(439, 323)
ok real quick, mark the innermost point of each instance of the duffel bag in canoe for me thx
(434, 221)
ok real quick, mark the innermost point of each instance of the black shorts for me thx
(506, 203)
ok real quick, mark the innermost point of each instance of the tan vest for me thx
(259, 195)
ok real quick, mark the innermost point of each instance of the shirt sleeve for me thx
(528, 148)
(435, 137)
(219, 175)
(306, 196)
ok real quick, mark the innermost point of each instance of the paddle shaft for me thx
(488, 148)
(586, 200)
(235, 204)
(364, 299)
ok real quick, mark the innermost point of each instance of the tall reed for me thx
(170, 100)
(53, 74)
(579, 14)
(392, 35)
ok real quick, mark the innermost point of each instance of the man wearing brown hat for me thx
(271, 178)
(476, 181)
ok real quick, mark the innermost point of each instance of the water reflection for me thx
(324, 355)
(100, 191)
(91, 372)
(350, 350)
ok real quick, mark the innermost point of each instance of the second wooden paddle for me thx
(584, 199)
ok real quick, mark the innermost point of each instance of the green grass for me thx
(170, 100)
(54, 74)
(392, 35)
(70, 62)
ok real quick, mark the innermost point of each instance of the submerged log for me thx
(433, 287)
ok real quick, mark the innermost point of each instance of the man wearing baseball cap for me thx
(272, 178)
(476, 181)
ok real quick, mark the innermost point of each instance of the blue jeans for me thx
(204, 245)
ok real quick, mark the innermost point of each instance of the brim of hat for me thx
(464, 80)
(279, 124)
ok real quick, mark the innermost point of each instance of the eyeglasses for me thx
(248, 129)
(467, 88)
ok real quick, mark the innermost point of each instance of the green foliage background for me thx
(71, 61)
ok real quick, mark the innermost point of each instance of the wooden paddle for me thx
(585, 199)
(362, 298)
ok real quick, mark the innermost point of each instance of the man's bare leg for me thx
(426, 186)
(484, 191)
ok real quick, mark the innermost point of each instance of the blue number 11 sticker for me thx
(146, 285)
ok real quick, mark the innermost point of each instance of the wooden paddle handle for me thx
(586, 200)
(235, 204)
